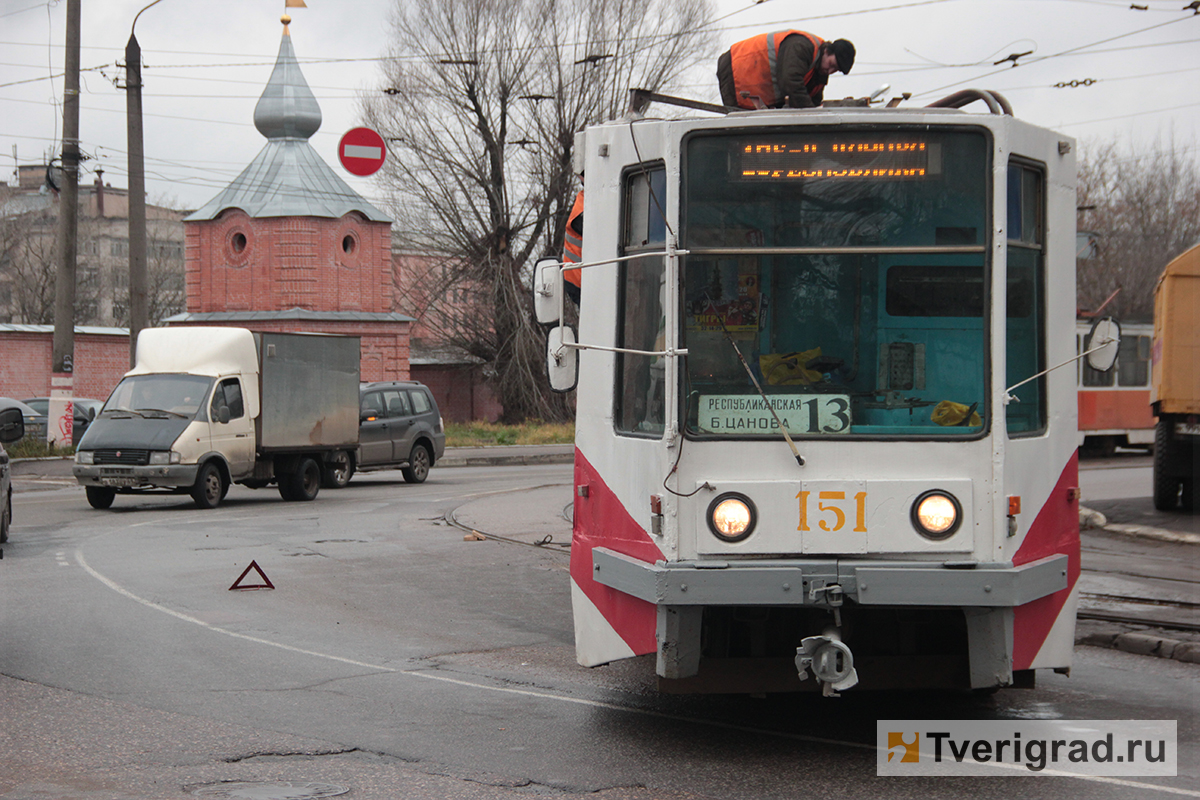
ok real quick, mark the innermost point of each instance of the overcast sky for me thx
(206, 62)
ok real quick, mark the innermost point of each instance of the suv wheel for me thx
(338, 470)
(418, 465)
(5, 518)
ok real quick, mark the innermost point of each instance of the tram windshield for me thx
(849, 270)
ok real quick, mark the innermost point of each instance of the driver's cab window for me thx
(227, 396)
(1026, 319)
(641, 320)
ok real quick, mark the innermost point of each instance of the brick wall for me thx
(100, 361)
(461, 391)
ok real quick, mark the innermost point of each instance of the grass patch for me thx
(491, 434)
(28, 447)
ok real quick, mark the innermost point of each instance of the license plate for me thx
(118, 482)
(1188, 428)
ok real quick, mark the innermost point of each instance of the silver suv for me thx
(399, 426)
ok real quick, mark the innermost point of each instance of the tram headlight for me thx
(731, 517)
(936, 514)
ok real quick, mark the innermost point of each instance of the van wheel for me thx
(209, 488)
(303, 484)
(100, 497)
(338, 471)
(418, 465)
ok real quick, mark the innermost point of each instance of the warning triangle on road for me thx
(266, 584)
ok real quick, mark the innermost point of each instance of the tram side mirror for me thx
(12, 425)
(1104, 342)
(562, 362)
(547, 291)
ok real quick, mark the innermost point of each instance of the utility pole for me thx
(60, 415)
(138, 273)
(139, 277)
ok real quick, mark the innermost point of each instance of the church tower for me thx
(289, 246)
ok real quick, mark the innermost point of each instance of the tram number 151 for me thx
(832, 510)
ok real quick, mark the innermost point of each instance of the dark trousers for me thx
(725, 80)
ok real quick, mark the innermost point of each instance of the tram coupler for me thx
(830, 660)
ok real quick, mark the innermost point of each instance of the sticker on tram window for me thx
(799, 413)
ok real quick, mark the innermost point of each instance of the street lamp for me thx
(138, 272)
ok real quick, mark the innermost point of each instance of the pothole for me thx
(260, 790)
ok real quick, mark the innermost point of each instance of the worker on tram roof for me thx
(785, 68)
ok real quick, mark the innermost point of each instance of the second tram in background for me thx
(1114, 406)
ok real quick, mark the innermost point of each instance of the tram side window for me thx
(1092, 377)
(1026, 318)
(640, 400)
(1133, 361)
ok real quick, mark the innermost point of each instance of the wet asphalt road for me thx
(398, 660)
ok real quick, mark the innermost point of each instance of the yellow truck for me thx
(1175, 382)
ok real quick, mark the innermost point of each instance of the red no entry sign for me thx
(361, 151)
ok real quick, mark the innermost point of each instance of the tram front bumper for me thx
(817, 582)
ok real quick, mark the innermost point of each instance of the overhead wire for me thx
(27, 8)
(1035, 60)
(1139, 113)
(647, 41)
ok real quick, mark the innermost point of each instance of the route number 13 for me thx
(831, 510)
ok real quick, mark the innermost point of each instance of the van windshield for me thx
(179, 395)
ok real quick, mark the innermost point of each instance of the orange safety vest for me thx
(755, 66)
(573, 242)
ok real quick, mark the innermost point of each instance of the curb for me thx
(507, 460)
(1145, 644)
(1092, 520)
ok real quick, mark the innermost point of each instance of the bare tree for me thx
(483, 98)
(1143, 204)
(31, 267)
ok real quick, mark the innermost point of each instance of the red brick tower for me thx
(289, 246)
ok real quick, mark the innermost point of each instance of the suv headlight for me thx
(85, 457)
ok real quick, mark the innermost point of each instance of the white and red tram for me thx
(1114, 405)
(873, 281)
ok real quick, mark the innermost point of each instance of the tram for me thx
(1114, 406)
(818, 444)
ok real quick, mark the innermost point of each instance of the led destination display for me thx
(855, 159)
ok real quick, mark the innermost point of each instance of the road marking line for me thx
(427, 675)
(186, 618)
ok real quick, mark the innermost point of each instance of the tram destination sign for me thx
(855, 158)
(740, 414)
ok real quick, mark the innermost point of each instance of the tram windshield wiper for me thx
(766, 401)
